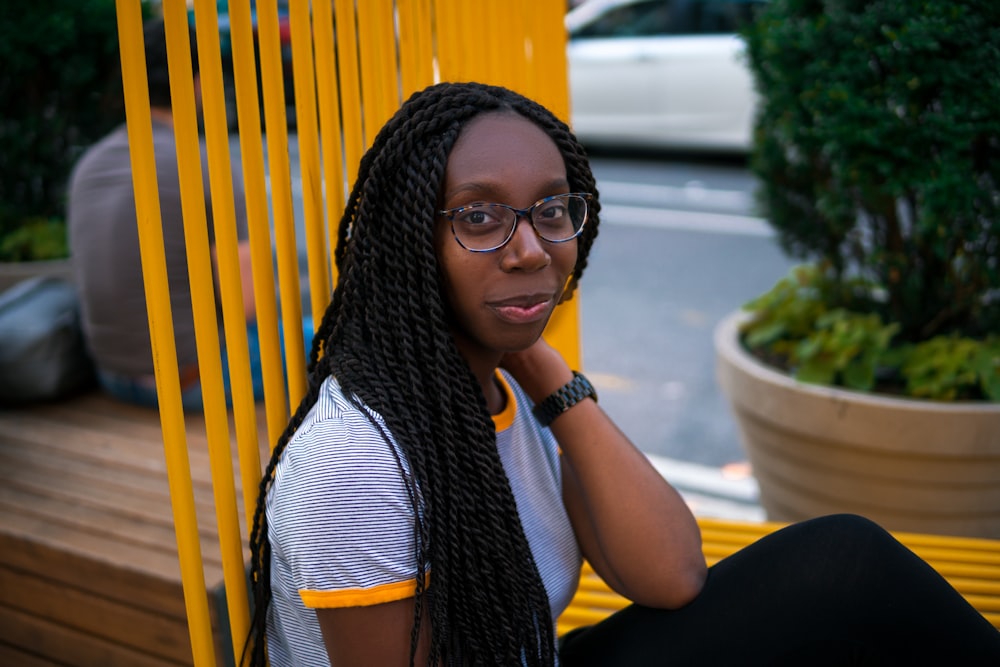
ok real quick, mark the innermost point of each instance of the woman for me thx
(431, 498)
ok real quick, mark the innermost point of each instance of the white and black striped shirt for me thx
(341, 522)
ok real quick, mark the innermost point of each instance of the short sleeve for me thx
(341, 519)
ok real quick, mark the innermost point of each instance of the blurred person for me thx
(104, 246)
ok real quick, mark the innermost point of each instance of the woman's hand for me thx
(539, 370)
(632, 526)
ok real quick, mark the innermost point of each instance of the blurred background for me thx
(661, 97)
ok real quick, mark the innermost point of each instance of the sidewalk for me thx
(727, 493)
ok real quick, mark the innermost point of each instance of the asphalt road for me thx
(680, 247)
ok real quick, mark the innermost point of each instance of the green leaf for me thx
(816, 371)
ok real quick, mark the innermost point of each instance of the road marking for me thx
(699, 221)
(610, 381)
(693, 192)
(740, 486)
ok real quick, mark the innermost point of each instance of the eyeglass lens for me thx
(488, 226)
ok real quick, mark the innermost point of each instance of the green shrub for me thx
(877, 146)
(61, 85)
(796, 327)
(34, 239)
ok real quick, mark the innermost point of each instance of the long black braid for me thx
(386, 338)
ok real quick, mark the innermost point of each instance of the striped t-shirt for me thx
(341, 523)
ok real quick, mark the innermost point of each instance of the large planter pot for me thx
(910, 465)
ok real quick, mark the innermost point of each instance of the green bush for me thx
(877, 146)
(61, 85)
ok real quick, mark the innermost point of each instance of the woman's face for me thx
(502, 300)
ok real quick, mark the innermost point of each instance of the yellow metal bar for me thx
(329, 117)
(514, 63)
(408, 46)
(279, 169)
(416, 58)
(153, 259)
(258, 224)
(312, 186)
(548, 47)
(224, 219)
(370, 84)
(203, 304)
(460, 41)
(379, 79)
(350, 88)
(487, 20)
(547, 39)
(446, 40)
(388, 59)
(531, 76)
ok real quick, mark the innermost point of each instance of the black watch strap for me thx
(564, 398)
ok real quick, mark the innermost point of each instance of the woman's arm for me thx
(632, 526)
(374, 635)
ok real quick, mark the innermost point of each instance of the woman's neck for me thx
(496, 397)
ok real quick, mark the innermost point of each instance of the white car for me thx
(661, 73)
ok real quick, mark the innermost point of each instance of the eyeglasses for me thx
(488, 227)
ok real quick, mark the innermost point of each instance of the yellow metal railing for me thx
(354, 63)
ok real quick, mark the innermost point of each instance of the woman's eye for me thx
(552, 211)
(477, 216)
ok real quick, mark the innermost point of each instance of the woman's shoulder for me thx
(339, 428)
(339, 460)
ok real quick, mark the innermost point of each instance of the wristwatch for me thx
(564, 398)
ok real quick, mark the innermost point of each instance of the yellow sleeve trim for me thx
(359, 597)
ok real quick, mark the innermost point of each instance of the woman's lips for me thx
(524, 310)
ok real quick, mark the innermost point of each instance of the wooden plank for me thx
(99, 412)
(116, 528)
(102, 495)
(109, 440)
(14, 656)
(109, 620)
(67, 646)
(88, 561)
(74, 445)
(100, 486)
(132, 574)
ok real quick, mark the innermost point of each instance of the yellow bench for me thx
(971, 565)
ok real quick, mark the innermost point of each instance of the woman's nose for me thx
(526, 249)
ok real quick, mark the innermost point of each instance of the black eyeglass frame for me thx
(519, 213)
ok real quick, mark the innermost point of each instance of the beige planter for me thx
(910, 465)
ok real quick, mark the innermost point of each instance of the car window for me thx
(638, 19)
(648, 18)
(718, 17)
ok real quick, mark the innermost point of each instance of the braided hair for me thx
(386, 338)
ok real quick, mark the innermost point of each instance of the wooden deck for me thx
(89, 573)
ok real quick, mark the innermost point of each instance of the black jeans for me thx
(838, 590)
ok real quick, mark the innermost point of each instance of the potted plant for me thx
(62, 88)
(868, 380)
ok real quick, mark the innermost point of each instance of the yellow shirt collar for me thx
(505, 418)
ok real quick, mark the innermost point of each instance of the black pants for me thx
(832, 591)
